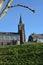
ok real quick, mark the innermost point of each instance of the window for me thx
(1, 37)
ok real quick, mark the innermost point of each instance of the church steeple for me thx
(20, 22)
(21, 31)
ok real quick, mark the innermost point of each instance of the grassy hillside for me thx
(30, 54)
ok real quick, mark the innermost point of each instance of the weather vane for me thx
(8, 5)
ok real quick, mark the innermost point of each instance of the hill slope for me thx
(30, 54)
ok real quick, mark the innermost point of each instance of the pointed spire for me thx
(20, 20)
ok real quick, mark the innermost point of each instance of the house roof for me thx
(9, 33)
(37, 36)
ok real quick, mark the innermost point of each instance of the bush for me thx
(30, 54)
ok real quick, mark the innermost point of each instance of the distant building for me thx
(21, 31)
(35, 38)
(12, 38)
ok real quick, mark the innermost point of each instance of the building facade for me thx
(11, 38)
(36, 38)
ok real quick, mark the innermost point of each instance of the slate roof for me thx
(37, 36)
(9, 33)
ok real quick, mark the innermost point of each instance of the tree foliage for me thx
(30, 54)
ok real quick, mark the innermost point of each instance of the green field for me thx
(28, 54)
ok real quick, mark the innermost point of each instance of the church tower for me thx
(21, 31)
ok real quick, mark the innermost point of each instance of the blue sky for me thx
(33, 21)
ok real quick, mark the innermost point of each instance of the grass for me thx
(28, 54)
